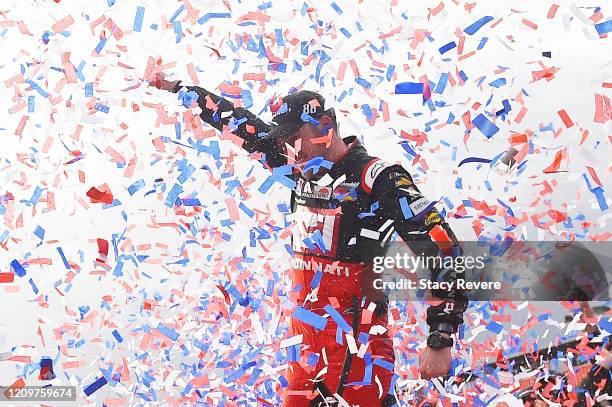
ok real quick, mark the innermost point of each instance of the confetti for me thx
(95, 386)
(18, 268)
(565, 118)
(486, 127)
(149, 252)
(309, 318)
(445, 48)
(477, 25)
(409, 88)
(604, 28)
(138, 19)
(46, 369)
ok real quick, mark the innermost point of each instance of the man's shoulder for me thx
(377, 171)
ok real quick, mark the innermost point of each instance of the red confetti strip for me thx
(565, 118)
(554, 166)
(102, 195)
(529, 24)
(552, 11)
(62, 24)
(7, 277)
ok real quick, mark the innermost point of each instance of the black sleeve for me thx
(426, 233)
(219, 112)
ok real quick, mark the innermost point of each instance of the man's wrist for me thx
(439, 340)
(177, 85)
(443, 327)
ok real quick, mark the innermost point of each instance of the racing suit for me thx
(341, 222)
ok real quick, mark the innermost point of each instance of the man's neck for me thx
(337, 150)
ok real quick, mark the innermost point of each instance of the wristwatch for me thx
(437, 341)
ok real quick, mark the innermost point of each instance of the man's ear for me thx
(325, 120)
(325, 124)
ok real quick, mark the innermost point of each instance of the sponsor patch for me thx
(432, 218)
(371, 171)
(307, 189)
(419, 205)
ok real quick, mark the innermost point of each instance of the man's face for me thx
(304, 145)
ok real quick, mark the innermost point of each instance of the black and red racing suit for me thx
(341, 223)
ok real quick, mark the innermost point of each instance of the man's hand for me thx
(160, 82)
(434, 363)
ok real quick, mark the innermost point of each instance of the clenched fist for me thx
(160, 82)
(434, 363)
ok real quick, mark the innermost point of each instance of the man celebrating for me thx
(345, 204)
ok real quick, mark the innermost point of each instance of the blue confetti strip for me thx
(473, 160)
(408, 149)
(316, 279)
(494, 327)
(389, 74)
(606, 324)
(37, 88)
(384, 364)
(338, 319)
(100, 45)
(138, 19)
(102, 108)
(39, 232)
(89, 390)
(186, 173)
(176, 25)
(409, 88)
(117, 336)
(599, 194)
(117, 272)
(168, 332)
(177, 13)
(405, 208)
(61, 253)
(498, 82)
(208, 16)
(132, 189)
(483, 42)
(173, 195)
(447, 47)
(336, 8)
(34, 288)
(246, 210)
(36, 195)
(604, 28)
(486, 127)
(310, 318)
(471, 29)
(441, 83)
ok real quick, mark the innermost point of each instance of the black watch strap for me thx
(446, 328)
(436, 341)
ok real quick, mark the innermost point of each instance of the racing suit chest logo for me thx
(308, 189)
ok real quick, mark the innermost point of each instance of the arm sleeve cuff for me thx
(177, 87)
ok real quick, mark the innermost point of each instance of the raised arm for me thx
(426, 233)
(220, 112)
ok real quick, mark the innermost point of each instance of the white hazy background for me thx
(186, 296)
